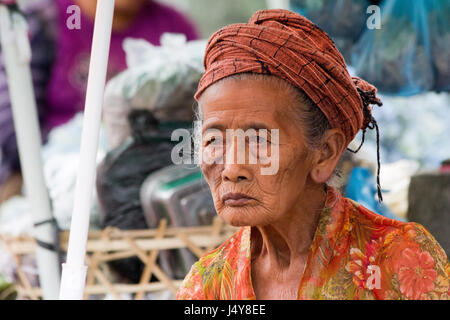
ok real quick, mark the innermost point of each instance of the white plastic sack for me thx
(15, 217)
(162, 79)
(413, 136)
(396, 178)
(60, 158)
(414, 128)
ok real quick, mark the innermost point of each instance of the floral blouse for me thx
(355, 254)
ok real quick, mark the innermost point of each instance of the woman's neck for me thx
(287, 242)
(121, 20)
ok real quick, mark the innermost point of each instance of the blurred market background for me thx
(152, 78)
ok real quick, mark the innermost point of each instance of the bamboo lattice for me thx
(113, 244)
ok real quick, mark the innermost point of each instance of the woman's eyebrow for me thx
(213, 125)
(256, 126)
(247, 126)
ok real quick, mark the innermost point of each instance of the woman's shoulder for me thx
(229, 250)
(363, 214)
(376, 226)
(211, 265)
(412, 263)
(416, 264)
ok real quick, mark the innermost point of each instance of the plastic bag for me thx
(121, 174)
(396, 178)
(342, 20)
(162, 79)
(409, 54)
(15, 217)
(439, 20)
(60, 157)
(361, 188)
(414, 128)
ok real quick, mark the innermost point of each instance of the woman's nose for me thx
(235, 173)
(234, 169)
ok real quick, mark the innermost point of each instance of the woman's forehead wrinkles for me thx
(253, 119)
(246, 105)
(234, 96)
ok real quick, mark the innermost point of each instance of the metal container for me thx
(182, 196)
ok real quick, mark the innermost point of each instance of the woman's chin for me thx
(237, 218)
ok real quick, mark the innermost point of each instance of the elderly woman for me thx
(299, 238)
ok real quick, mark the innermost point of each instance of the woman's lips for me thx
(236, 199)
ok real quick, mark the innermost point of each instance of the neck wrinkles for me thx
(324, 218)
(288, 241)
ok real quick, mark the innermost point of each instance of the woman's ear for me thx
(328, 155)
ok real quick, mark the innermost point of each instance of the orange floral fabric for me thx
(355, 254)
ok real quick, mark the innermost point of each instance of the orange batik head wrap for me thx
(289, 46)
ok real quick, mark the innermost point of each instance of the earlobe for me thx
(315, 175)
(320, 175)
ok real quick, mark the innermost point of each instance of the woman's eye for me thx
(212, 141)
(257, 139)
(207, 142)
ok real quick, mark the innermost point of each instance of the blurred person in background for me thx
(60, 63)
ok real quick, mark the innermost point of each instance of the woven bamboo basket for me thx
(113, 244)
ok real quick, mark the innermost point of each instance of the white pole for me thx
(17, 57)
(74, 270)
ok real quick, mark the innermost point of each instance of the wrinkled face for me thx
(242, 194)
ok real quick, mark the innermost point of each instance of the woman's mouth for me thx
(236, 199)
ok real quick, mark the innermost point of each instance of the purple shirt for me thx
(60, 64)
(68, 80)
